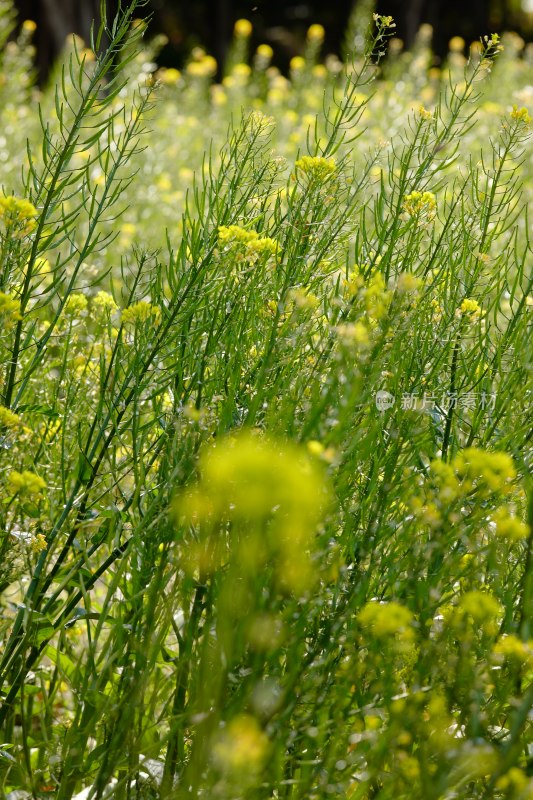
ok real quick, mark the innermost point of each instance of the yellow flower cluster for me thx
(265, 52)
(383, 21)
(251, 480)
(38, 543)
(253, 243)
(140, 312)
(243, 28)
(303, 299)
(353, 283)
(18, 213)
(515, 783)
(26, 483)
(242, 747)
(103, 303)
(484, 471)
(479, 470)
(170, 76)
(9, 310)
(477, 607)
(469, 307)
(493, 42)
(354, 334)
(316, 33)
(456, 44)
(76, 304)
(376, 297)
(509, 527)
(258, 123)
(316, 168)
(407, 283)
(10, 420)
(512, 649)
(297, 64)
(203, 67)
(424, 113)
(241, 71)
(521, 115)
(417, 204)
(385, 620)
(449, 485)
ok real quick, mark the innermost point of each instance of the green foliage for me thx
(265, 423)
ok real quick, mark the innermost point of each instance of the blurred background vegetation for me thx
(282, 25)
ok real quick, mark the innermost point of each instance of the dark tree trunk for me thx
(448, 18)
(281, 23)
(56, 20)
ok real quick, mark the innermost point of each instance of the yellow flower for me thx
(303, 299)
(219, 96)
(316, 33)
(206, 67)
(521, 115)
(470, 307)
(456, 44)
(29, 26)
(353, 283)
(141, 312)
(76, 305)
(9, 310)
(354, 333)
(377, 298)
(250, 240)
(242, 747)
(297, 63)
(103, 303)
(316, 168)
(265, 52)
(319, 71)
(315, 447)
(18, 213)
(514, 783)
(38, 543)
(384, 22)
(169, 77)
(479, 607)
(243, 28)
(8, 418)
(250, 475)
(235, 233)
(385, 620)
(509, 527)
(407, 282)
(252, 480)
(493, 472)
(128, 230)
(449, 485)
(510, 648)
(26, 483)
(241, 70)
(418, 204)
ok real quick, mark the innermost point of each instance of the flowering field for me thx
(266, 509)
